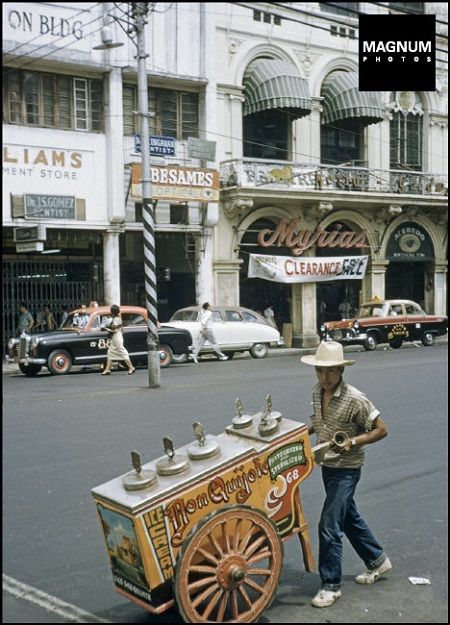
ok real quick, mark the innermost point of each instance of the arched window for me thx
(346, 112)
(406, 130)
(275, 95)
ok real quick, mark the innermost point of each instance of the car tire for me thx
(259, 350)
(396, 344)
(179, 359)
(229, 355)
(30, 370)
(428, 339)
(59, 362)
(165, 356)
(371, 342)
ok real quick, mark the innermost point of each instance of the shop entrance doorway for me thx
(406, 281)
(256, 293)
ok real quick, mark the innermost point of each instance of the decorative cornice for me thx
(237, 207)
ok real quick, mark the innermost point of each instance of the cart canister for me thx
(204, 524)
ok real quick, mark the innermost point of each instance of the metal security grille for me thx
(37, 283)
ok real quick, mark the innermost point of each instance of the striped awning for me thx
(343, 100)
(275, 84)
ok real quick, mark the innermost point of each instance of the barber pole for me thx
(154, 376)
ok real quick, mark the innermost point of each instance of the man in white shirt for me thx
(206, 334)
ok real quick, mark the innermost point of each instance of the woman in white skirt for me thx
(116, 350)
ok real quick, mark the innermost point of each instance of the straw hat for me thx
(328, 354)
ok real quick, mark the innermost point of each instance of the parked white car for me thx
(235, 329)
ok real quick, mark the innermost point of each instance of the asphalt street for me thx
(63, 435)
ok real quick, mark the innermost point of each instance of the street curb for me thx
(10, 369)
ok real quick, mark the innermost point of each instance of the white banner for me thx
(319, 269)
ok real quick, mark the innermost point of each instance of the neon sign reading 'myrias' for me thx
(289, 235)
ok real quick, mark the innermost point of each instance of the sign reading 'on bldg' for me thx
(178, 184)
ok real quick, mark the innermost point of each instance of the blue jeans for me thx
(340, 516)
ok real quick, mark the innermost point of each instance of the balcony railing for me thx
(251, 173)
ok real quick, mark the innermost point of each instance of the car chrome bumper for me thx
(349, 338)
(27, 361)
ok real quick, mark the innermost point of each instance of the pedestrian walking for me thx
(116, 349)
(341, 407)
(26, 321)
(45, 320)
(270, 316)
(206, 334)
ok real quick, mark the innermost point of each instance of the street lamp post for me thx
(154, 375)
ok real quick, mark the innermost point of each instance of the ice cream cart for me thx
(204, 525)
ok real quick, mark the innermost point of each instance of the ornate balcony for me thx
(253, 173)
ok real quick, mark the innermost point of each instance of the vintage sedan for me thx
(236, 330)
(386, 321)
(81, 341)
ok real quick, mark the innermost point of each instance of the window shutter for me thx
(80, 98)
(48, 100)
(14, 96)
(96, 101)
(189, 115)
(128, 100)
(64, 102)
(167, 101)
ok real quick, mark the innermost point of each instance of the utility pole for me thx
(140, 10)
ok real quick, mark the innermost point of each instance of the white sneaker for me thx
(194, 358)
(325, 598)
(223, 357)
(370, 577)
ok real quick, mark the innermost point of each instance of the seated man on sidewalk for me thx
(341, 407)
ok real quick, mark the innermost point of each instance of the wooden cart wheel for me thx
(229, 567)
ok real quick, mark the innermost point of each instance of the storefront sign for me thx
(36, 246)
(49, 206)
(289, 235)
(159, 146)
(30, 233)
(178, 184)
(201, 149)
(289, 270)
(409, 242)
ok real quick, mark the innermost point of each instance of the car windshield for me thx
(372, 310)
(185, 315)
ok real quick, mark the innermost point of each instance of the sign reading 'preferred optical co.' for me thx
(397, 52)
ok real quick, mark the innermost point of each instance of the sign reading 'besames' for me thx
(173, 183)
(289, 270)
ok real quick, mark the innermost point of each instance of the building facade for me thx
(264, 83)
(319, 156)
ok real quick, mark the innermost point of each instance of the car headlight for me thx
(322, 328)
(356, 324)
(11, 343)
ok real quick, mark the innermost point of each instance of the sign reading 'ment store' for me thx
(291, 236)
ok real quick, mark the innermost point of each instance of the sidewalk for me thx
(285, 351)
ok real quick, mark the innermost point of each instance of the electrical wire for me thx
(297, 21)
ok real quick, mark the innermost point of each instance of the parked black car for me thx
(81, 341)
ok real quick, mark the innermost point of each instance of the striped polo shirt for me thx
(349, 411)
